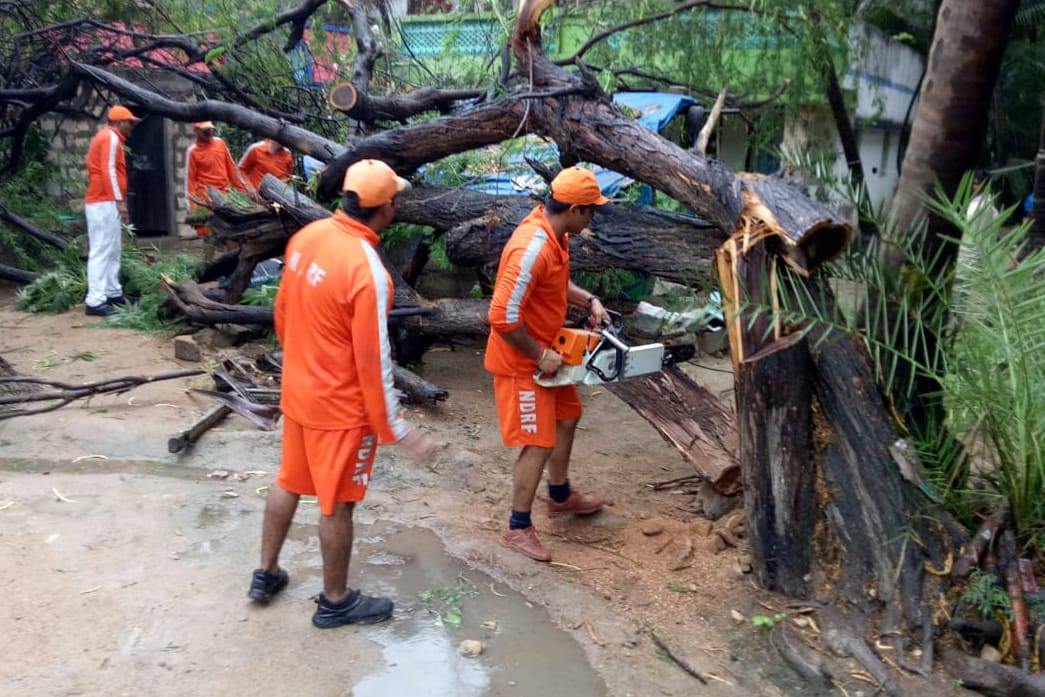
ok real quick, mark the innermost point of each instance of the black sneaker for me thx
(117, 301)
(103, 310)
(265, 585)
(356, 608)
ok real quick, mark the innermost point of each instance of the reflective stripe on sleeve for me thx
(396, 423)
(513, 308)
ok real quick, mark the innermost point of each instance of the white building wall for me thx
(884, 73)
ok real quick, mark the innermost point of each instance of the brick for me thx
(186, 348)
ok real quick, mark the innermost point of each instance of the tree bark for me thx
(19, 276)
(689, 417)
(948, 129)
(478, 225)
(775, 431)
(27, 227)
(820, 484)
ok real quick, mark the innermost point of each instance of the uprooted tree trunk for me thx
(827, 503)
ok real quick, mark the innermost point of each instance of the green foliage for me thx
(399, 234)
(262, 296)
(995, 364)
(25, 194)
(766, 621)
(140, 273)
(615, 284)
(446, 602)
(56, 290)
(985, 596)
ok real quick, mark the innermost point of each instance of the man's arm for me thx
(190, 177)
(231, 171)
(372, 299)
(575, 295)
(247, 163)
(548, 361)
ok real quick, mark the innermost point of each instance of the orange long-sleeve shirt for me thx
(106, 167)
(533, 278)
(331, 318)
(209, 164)
(258, 161)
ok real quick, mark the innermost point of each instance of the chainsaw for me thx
(595, 356)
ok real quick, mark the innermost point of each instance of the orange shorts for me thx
(528, 412)
(333, 465)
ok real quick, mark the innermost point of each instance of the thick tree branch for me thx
(293, 137)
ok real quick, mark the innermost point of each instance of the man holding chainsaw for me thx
(526, 312)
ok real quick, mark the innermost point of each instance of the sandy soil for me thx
(98, 588)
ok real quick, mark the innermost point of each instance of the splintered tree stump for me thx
(775, 430)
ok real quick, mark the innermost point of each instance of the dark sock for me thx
(559, 492)
(519, 520)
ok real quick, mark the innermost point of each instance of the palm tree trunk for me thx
(946, 140)
(953, 108)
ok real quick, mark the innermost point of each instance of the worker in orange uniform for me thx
(338, 399)
(105, 207)
(526, 312)
(208, 162)
(265, 157)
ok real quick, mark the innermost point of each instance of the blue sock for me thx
(559, 492)
(519, 520)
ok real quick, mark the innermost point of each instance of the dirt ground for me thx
(103, 553)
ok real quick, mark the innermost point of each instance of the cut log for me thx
(415, 389)
(689, 417)
(675, 247)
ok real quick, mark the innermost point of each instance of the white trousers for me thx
(103, 255)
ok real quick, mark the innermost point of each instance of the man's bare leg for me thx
(335, 542)
(559, 460)
(280, 506)
(527, 475)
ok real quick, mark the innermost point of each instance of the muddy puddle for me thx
(441, 602)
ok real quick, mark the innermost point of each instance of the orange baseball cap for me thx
(578, 187)
(121, 113)
(374, 182)
(204, 125)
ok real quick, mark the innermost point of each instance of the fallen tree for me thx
(830, 511)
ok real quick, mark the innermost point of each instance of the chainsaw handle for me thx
(616, 322)
(549, 379)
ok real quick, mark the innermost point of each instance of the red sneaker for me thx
(525, 542)
(576, 504)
